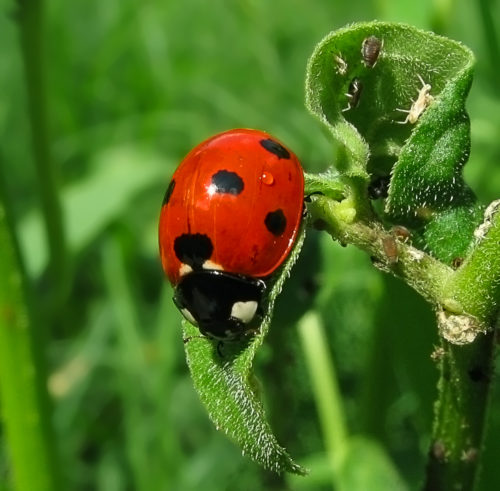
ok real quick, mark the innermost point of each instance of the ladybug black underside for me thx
(223, 305)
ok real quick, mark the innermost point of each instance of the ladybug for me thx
(229, 218)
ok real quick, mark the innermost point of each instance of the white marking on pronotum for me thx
(244, 311)
(211, 265)
(419, 106)
(185, 269)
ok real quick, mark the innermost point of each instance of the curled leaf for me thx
(395, 97)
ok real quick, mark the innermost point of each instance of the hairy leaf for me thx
(401, 116)
(223, 377)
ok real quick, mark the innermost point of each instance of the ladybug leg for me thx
(307, 198)
(189, 338)
(220, 344)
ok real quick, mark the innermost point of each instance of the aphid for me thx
(470, 455)
(439, 451)
(390, 249)
(438, 353)
(401, 233)
(353, 94)
(424, 212)
(341, 64)
(418, 106)
(370, 50)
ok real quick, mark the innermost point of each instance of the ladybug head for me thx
(222, 305)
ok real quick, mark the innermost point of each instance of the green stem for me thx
(22, 378)
(475, 286)
(468, 300)
(491, 37)
(31, 16)
(131, 363)
(460, 414)
(419, 270)
(441, 15)
(467, 371)
(325, 389)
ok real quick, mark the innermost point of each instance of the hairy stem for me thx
(421, 271)
(470, 298)
(461, 410)
(467, 371)
(475, 286)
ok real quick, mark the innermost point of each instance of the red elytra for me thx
(241, 189)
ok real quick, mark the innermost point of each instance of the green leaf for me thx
(448, 235)
(367, 466)
(438, 147)
(326, 85)
(223, 377)
(427, 188)
(118, 174)
(423, 150)
(329, 184)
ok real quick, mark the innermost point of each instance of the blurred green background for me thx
(130, 88)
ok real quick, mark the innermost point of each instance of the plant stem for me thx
(419, 270)
(325, 389)
(461, 409)
(491, 38)
(22, 378)
(30, 18)
(467, 371)
(475, 286)
(131, 363)
(441, 15)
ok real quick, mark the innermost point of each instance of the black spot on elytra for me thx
(274, 147)
(275, 222)
(227, 182)
(193, 249)
(168, 193)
